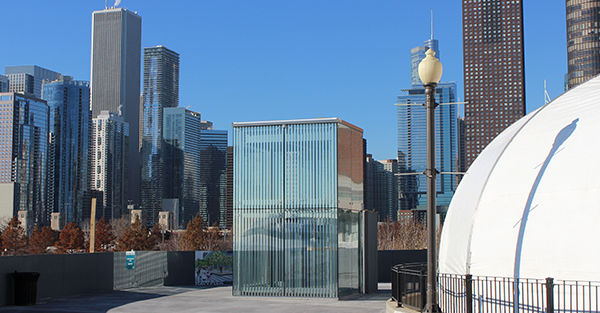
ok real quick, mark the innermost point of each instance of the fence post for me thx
(401, 287)
(549, 295)
(469, 292)
(394, 283)
(423, 285)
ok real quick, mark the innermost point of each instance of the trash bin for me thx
(25, 287)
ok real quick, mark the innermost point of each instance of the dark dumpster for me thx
(25, 287)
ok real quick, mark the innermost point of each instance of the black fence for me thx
(409, 284)
(467, 293)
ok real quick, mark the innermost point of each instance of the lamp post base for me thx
(432, 308)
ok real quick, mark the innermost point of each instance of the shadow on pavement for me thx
(98, 302)
(199, 299)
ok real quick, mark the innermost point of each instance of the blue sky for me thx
(283, 59)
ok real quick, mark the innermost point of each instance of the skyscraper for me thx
(115, 77)
(412, 156)
(29, 78)
(161, 90)
(417, 54)
(298, 198)
(23, 156)
(181, 133)
(494, 70)
(3, 83)
(381, 188)
(412, 140)
(68, 151)
(213, 176)
(109, 145)
(583, 42)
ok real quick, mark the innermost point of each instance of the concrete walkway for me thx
(201, 299)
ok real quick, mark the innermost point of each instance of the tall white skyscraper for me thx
(115, 77)
(109, 179)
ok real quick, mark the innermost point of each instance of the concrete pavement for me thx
(201, 299)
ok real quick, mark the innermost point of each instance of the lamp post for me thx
(430, 72)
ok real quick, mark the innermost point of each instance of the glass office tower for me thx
(412, 152)
(298, 194)
(68, 177)
(161, 90)
(213, 176)
(181, 133)
(23, 156)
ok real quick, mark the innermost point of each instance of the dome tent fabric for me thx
(529, 206)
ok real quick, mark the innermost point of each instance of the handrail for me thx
(468, 293)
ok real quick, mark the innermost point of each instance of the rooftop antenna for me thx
(105, 4)
(431, 24)
(546, 95)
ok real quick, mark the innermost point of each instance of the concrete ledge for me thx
(392, 307)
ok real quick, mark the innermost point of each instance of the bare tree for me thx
(402, 235)
(225, 242)
(85, 227)
(173, 243)
(4, 220)
(120, 225)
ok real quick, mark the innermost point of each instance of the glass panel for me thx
(258, 209)
(348, 252)
(310, 201)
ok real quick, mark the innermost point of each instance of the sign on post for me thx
(130, 260)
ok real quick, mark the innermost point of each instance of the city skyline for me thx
(257, 61)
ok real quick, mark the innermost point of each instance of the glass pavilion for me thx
(298, 194)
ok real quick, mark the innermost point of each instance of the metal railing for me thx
(409, 284)
(468, 294)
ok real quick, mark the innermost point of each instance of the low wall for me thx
(388, 258)
(69, 274)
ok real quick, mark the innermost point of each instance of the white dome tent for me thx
(529, 206)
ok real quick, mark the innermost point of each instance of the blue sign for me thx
(130, 260)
